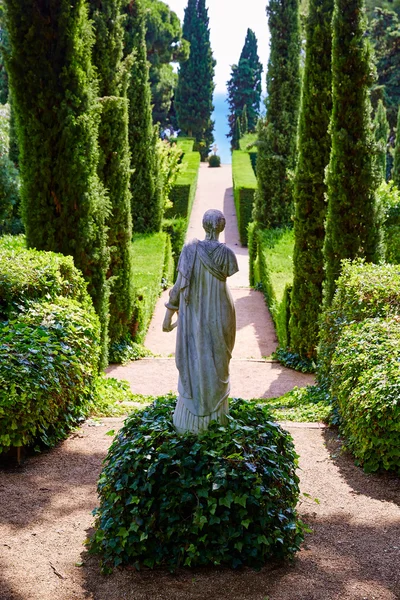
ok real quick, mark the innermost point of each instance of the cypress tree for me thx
(351, 226)
(381, 129)
(244, 86)
(237, 135)
(277, 134)
(194, 93)
(147, 202)
(54, 92)
(244, 120)
(396, 163)
(114, 162)
(314, 145)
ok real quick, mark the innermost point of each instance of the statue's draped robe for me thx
(206, 333)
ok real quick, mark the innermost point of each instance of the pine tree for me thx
(54, 92)
(396, 163)
(309, 184)
(194, 93)
(114, 162)
(277, 133)
(381, 129)
(244, 86)
(147, 208)
(351, 226)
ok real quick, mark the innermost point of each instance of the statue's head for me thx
(213, 221)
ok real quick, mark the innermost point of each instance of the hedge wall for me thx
(271, 270)
(244, 187)
(184, 190)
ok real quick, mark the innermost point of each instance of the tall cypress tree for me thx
(54, 93)
(147, 208)
(194, 92)
(314, 145)
(381, 130)
(396, 163)
(277, 134)
(351, 226)
(114, 163)
(244, 86)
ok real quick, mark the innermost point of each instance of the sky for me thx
(229, 21)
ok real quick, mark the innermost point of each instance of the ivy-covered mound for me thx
(226, 497)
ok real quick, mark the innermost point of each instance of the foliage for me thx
(352, 223)
(164, 45)
(271, 252)
(149, 274)
(277, 133)
(194, 92)
(225, 497)
(396, 164)
(309, 182)
(126, 351)
(4, 48)
(237, 133)
(145, 186)
(176, 229)
(244, 187)
(363, 291)
(365, 383)
(308, 404)
(170, 167)
(381, 131)
(389, 199)
(114, 171)
(48, 361)
(183, 193)
(292, 360)
(113, 398)
(54, 94)
(244, 88)
(29, 275)
(10, 220)
(214, 160)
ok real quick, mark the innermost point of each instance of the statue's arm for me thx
(172, 306)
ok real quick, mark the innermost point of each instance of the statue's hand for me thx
(167, 324)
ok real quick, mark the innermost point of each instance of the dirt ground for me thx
(352, 553)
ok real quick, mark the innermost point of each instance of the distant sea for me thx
(221, 127)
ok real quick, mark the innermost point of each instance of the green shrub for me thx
(184, 190)
(389, 199)
(244, 187)
(363, 291)
(307, 404)
(176, 229)
(226, 497)
(365, 382)
(27, 275)
(185, 144)
(150, 255)
(49, 356)
(272, 270)
(214, 160)
(10, 219)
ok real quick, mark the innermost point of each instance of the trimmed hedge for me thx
(152, 271)
(271, 270)
(225, 497)
(363, 291)
(244, 187)
(183, 193)
(185, 144)
(365, 382)
(49, 357)
(27, 275)
(176, 229)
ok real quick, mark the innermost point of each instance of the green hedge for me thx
(49, 358)
(185, 144)
(365, 382)
(363, 291)
(176, 229)
(152, 270)
(389, 198)
(244, 187)
(184, 190)
(271, 270)
(225, 497)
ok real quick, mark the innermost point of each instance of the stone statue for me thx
(206, 328)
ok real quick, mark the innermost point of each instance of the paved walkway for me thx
(253, 373)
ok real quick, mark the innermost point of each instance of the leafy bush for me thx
(389, 198)
(113, 397)
(363, 291)
(244, 187)
(170, 166)
(176, 229)
(183, 192)
(49, 357)
(214, 160)
(292, 360)
(10, 218)
(365, 382)
(307, 404)
(126, 351)
(225, 497)
(27, 275)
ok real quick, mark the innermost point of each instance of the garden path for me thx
(253, 374)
